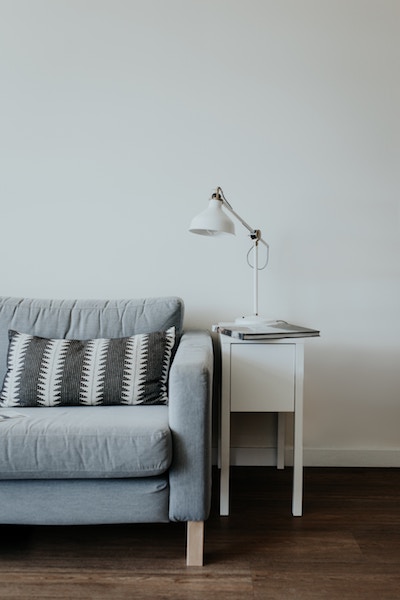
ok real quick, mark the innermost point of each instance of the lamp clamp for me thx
(255, 235)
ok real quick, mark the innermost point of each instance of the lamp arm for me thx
(255, 234)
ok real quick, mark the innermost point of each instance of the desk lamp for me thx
(214, 221)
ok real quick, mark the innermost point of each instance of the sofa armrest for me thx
(190, 407)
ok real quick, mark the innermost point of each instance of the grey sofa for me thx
(109, 462)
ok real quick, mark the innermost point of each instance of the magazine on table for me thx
(272, 330)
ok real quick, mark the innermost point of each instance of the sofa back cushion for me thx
(86, 319)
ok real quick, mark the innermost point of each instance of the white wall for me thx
(119, 117)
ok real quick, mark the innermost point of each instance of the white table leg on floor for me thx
(225, 433)
(297, 502)
(280, 445)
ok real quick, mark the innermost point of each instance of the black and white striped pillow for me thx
(60, 372)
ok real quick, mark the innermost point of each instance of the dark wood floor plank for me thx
(311, 586)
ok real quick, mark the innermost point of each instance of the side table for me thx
(262, 374)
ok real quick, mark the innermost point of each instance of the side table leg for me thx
(297, 503)
(225, 431)
(225, 460)
(224, 492)
(280, 446)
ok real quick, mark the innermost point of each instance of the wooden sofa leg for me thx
(195, 543)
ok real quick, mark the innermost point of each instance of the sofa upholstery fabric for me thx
(84, 501)
(85, 443)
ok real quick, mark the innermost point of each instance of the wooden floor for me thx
(346, 546)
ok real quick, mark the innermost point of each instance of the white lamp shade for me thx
(212, 221)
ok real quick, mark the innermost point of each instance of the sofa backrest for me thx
(86, 319)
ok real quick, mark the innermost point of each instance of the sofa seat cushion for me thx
(85, 442)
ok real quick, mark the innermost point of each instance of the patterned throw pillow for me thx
(60, 372)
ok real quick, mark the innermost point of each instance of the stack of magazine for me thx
(271, 330)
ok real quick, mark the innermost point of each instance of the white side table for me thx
(263, 375)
